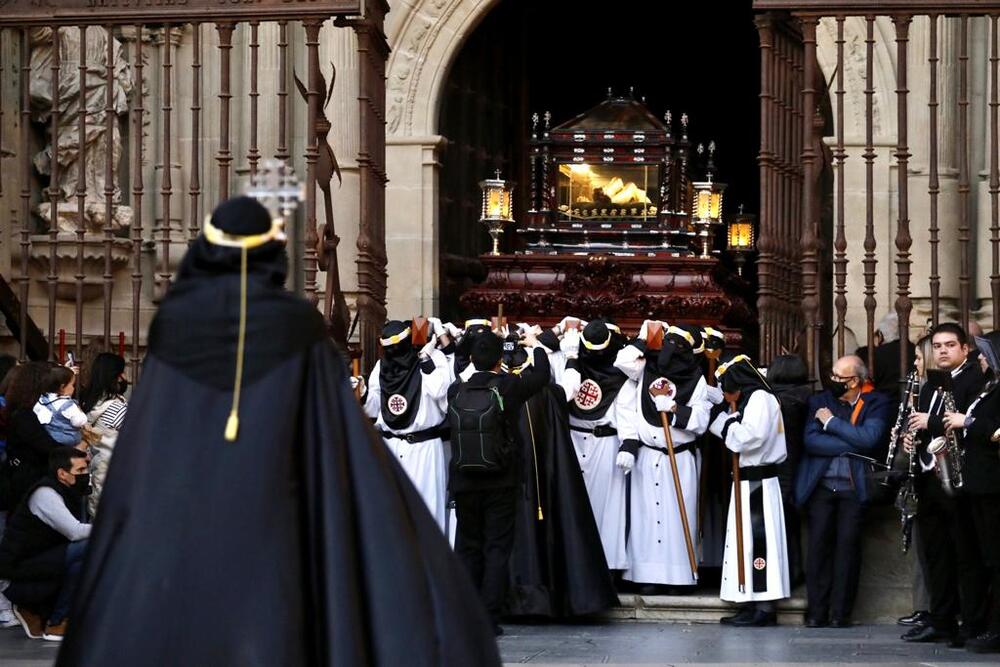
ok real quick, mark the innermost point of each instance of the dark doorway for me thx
(559, 56)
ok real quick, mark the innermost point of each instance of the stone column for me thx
(412, 224)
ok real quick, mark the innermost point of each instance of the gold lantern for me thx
(740, 240)
(498, 207)
(706, 211)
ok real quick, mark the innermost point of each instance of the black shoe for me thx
(916, 618)
(814, 622)
(988, 642)
(925, 634)
(840, 622)
(758, 619)
(744, 613)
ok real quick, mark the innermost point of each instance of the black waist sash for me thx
(684, 447)
(440, 431)
(759, 529)
(599, 431)
(757, 473)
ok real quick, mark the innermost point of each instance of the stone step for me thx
(693, 609)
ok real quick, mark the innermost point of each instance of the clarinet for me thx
(899, 429)
(906, 502)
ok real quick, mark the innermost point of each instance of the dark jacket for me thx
(28, 447)
(841, 437)
(26, 537)
(981, 473)
(794, 401)
(515, 390)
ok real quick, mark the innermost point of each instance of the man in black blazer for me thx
(980, 429)
(956, 577)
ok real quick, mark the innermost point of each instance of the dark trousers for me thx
(45, 583)
(484, 539)
(956, 576)
(834, 560)
(986, 522)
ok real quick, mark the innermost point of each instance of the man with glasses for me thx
(848, 418)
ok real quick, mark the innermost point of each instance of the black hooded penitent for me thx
(302, 542)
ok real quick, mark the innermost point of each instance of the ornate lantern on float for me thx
(497, 207)
(706, 205)
(740, 240)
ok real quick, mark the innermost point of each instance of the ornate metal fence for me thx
(122, 107)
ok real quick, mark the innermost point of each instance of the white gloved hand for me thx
(664, 403)
(437, 326)
(358, 384)
(425, 351)
(714, 394)
(453, 331)
(523, 327)
(625, 461)
(570, 344)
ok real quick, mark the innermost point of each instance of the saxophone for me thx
(900, 429)
(947, 452)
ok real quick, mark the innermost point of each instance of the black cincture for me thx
(758, 527)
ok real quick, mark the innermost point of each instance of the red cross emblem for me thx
(759, 563)
(588, 396)
(659, 382)
(397, 404)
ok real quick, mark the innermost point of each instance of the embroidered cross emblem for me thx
(589, 395)
(397, 404)
(759, 563)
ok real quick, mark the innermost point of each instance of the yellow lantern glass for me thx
(707, 204)
(497, 200)
(740, 234)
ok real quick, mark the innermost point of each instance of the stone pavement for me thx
(639, 643)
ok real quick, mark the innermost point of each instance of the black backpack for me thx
(479, 440)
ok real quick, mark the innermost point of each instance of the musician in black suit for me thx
(955, 573)
(980, 428)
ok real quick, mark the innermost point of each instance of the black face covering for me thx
(676, 362)
(838, 388)
(598, 366)
(81, 484)
(399, 375)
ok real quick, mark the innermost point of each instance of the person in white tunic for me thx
(406, 397)
(657, 548)
(754, 430)
(592, 383)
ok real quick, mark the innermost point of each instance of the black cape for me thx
(301, 543)
(557, 566)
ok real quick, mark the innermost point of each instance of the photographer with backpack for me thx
(482, 414)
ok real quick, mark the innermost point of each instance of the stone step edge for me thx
(692, 609)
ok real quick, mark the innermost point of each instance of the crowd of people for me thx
(558, 466)
(56, 440)
(497, 425)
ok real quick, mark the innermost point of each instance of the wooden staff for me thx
(738, 497)
(680, 495)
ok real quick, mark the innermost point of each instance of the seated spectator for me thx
(58, 413)
(849, 418)
(43, 546)
(104, 401)
(28, 444)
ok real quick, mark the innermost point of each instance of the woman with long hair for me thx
(103, 399)
(28, 445)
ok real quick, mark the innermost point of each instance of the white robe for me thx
(426, 463)
(759, 438)
(605, 482)
(657, 550)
